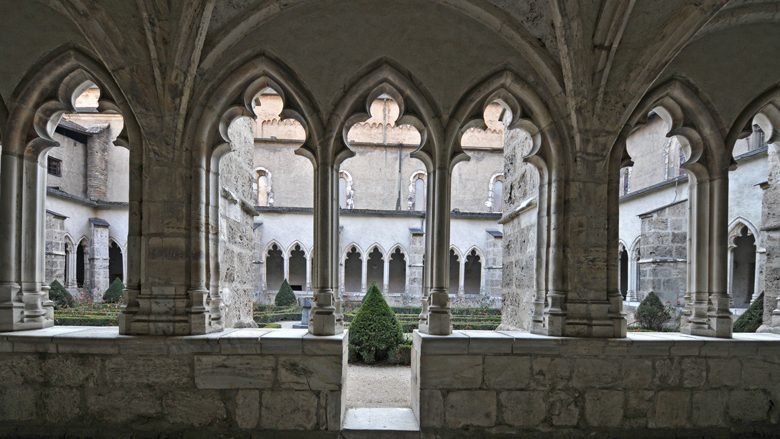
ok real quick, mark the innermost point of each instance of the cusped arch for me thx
(400, 247)
(764, 111)
(415, 104)
(457, 251)
(291, 248)
(348, 248)
(379, 247)
(735, 229)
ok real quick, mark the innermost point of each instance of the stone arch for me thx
(472, 271)
(708, 160)
(548, 153)
(495, 198)
(398, 260)
(346, 190)
(82, 263)
(47, 92)
(229, 97)
(417, 190)
(264, 183)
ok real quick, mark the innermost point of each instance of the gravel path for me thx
(379, 386)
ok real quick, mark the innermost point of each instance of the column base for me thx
(163, 312)
(26, 310)
(324, 319)
(439, 316)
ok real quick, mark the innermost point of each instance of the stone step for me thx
(380, 423)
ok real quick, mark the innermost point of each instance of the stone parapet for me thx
(92, 381)
(516, 384)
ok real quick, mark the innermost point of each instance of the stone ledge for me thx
(646, 343)
(107, 340)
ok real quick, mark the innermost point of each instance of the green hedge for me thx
(752, 318)
(285, 296)
(271, 314)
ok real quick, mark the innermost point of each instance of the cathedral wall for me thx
(471, 179)
(292, 176)
(55, 248)
(663, 266)
(74, 165)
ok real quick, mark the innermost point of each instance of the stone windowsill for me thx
(106, 340)
(518, 342)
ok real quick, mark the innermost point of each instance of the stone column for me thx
(308, 274)
(438, 254)
(286, 263)
(324, 314)
(364, 274)
(461, 276)
(720, 314)
(11, 307)
(55, 248)
(730, 274)
(98, 258)
(72, 269)
(386, 274)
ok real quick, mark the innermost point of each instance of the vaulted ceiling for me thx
(592, 61)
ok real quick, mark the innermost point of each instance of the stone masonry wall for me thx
(55, 248)
(91, 382)
(770, 240)
(97, 268)
(519, 241)
(236, 236)
(663, 267)
(665, 385)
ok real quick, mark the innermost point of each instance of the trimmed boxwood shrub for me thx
(60, 296)
(752, 318)
(374, 333)
(651, 313)
(114, 292)
(285, 296)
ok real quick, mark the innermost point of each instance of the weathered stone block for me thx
(234, 371)
(709, 408)
(563, 409)
(551, 372)
(450, 372)
(595, 373)
(672, 409)
(637, 373)
(288, 410)
(310, 373)
(464, 408)
(153, 370)
(71, 370)
(431, 409)
(507, 372)
(604, 408)
(18, 403)
(122, 405)
(724, 372)
(247, 408)
(667, 372)
(61, 404)
(694, 372)
(522, 408)
(748, 405)
(638, 404)
(196, 408)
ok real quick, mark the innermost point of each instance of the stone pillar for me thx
(386, 274)
(308, 274)
(364, 274)
(438, 254)
(325, 319)
(71, 285)
(11, 307)
(55, 248)
(730, 274)
(98, 258)
(286, 263)
(461, 276)
(98, 145)
(414, 273)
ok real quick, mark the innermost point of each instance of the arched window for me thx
(274, 268)
(495, 201)
(454, 272)
(353, 271)
(397, 272)
(115, 263)
(297, 268)
(346, 191)
(375, 268)
(743, 267)
(472, 273)
(81, 260)
(265, 196)
(417, 190)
